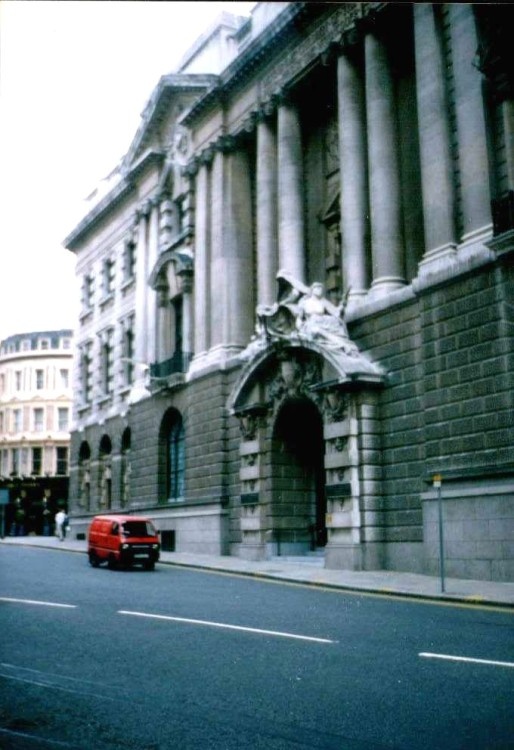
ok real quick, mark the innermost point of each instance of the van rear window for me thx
(138, 528)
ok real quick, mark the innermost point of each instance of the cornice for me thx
(125, 187)
(340, 18)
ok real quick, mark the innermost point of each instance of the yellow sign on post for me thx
(437, 480)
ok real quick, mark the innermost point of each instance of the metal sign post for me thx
(438, 481)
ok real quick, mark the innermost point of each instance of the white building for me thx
(35, 414)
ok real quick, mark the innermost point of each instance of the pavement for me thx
(309, 571)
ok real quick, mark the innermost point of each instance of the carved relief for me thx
(335, 405)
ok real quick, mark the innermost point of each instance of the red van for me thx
(123, 541)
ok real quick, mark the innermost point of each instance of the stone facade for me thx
(251, 412)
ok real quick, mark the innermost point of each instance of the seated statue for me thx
(304, 312)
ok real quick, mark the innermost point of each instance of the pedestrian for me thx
(60, 522)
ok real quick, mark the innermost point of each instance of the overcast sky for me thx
(74, 78)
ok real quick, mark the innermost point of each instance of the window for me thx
(63, 419)
(66, 344)
(1, 421)
(37, 461)
(176, 460)
(38, 420)
(17, 380)
(108, 277)
(65, 378)
(15, 461)
(128, 353)
(17, 420)
(87, 292)
(45, 344)
(4, 465)
(86, 373)
(40, 379)
(107, 362)
(129, 261)
(62, 461)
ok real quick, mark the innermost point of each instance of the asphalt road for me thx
(179, 659)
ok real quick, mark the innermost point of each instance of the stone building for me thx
(35, 414)
(251, 411)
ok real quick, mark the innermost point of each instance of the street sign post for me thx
(438, 481)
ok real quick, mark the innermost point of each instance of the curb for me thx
(472, 600)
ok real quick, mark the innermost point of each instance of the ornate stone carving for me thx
(303, 54)
(335, 406)
(302, 313)
(294, 375)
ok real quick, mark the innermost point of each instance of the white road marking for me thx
(226, 626)
(33, 737)
(448, 657)
(34, 601)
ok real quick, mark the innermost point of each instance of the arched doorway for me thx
(298, 502)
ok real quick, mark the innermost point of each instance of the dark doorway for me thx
(298, 479)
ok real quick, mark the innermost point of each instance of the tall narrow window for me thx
(129, 261)
(40, 379)
(17, 420)
(63, 418)
(86, 374)
(62, 461)
(171, 458)
(128, 352)
(107, 362)
(87, 292)
(108, 277)
(37, 461)
(38, 420)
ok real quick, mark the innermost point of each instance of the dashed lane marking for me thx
(226, 626)
(449, 657)
(39, 603)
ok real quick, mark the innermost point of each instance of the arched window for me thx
(173, 455)
(126, 467)
(104, 474)
(84, 489)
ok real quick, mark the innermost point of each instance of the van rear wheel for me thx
(150, 565)
(93, 560)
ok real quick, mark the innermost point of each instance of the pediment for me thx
(173, 96)
(300, 369)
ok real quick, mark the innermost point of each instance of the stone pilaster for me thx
(291, 248)
(138, 390)
(353, 176)
(435, 145)
(151, 294)
(202, 262)
(236, 278)
(384, 173)
(266, 218)
(217, 261)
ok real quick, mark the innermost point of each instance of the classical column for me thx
(384, 172)
(140, 318)
(237, 279)
(151, 294)
(202, 259)
(266, 219)
(216, 307)
(291, 250)
(471, 126)
(352, 175)
(434, 138)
